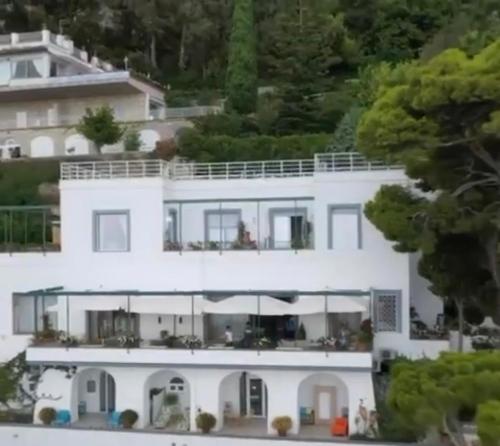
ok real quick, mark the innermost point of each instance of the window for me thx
(91, 386)
(387, 312)
(4, 72)
(289, 228)
(171, 226)
(112, 231)
(177, 385)
(222, 227)
(344, 227)
(26, 69)
(32, 314)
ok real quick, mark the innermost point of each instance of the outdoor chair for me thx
(63, 418)
(114, 419)
(339, 427)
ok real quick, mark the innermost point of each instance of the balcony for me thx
(29, 229)
(214, 328)
(253, 225)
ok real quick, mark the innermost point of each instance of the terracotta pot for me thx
(205, 430)
(282, 433)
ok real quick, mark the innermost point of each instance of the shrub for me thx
(100, 127)
(205, 422)
(282, 425)
(128, 418)
(132, 141)
(47, 415)
(197, 147)
(301, 334)
(166, 149)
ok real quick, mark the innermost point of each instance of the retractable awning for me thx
(241, 304)
(179, 305)
(334, 304)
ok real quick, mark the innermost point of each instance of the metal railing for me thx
(241, 170)
(322, 163)
(103, 170)
(192, 112)
(348, 162)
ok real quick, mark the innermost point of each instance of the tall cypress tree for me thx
(241, 81)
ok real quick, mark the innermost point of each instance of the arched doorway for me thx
(148, 139)
(243, 401)
(96, 392)
(42, 146)
(168, 400)
(322, 398)
(76, 145)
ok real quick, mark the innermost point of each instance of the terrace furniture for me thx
(63, 418)
(339, 427)
(306, 415)
(114, 419)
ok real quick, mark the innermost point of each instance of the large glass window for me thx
(345, 228)
(171, 226)
(4, 72)
(111, 231)
(221, 227)
(26, 69)
(289, 229)
(34, 314)
(387, 311)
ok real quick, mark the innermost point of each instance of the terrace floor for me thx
(245, 427)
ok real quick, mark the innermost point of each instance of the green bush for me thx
(19, 181)
(221, 148)
(128, 418)
(132, 141)
(47, 415)
(205, 422)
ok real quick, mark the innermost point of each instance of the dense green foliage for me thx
(433, 393)
(344, 137)
(441, 120)
(20, 181)
(100, 127)
(220, 148)
(488, 423)
(241, 83)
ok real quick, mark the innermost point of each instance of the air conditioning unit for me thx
(387, 354)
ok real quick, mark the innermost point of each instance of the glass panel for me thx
(282, 231)
(112, 232)
(345, 229)
(4, 72)
(24, 315)
(256, 397)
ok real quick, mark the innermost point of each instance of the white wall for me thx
(152, 324)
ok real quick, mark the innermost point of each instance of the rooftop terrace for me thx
(181, 170)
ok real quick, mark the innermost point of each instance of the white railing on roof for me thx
(192, 112)
(241, 170)
(322, 163)
(348, 162)
(103, 170)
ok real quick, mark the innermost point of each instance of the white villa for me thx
(248, 290)
(46, 84)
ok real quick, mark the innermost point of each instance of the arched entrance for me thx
(76, 145)
(96, 392)
(168, 400)
(243, 401)
(322, 398)
(42, 146)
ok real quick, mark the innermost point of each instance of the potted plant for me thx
(47, 415)
(171, 399)
(301, 333)
(128, 418)
(282, 425)
(205, 422)
(365, 337)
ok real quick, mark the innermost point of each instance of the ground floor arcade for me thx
(244, 401)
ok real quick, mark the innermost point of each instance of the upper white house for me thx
(246, 289)
(46, 84)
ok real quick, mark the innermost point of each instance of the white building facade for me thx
(246, 289)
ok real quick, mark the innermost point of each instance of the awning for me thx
(94, 303)
(335, 304)
(180, 305)
(269, 306)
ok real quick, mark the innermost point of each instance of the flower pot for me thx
(205, 430)
(282, 433)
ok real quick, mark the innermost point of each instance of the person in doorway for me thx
(228, 336)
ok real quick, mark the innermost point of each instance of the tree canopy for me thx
(441, 120)
(430, 394)
(100, 127)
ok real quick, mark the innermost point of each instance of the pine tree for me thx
(241, 81)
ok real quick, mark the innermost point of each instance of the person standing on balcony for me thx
(228, 336)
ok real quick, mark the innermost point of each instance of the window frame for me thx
(288, 212)
(398, 296)
(335, 207)
(95, 230)
(171, 234)
(220, 213)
